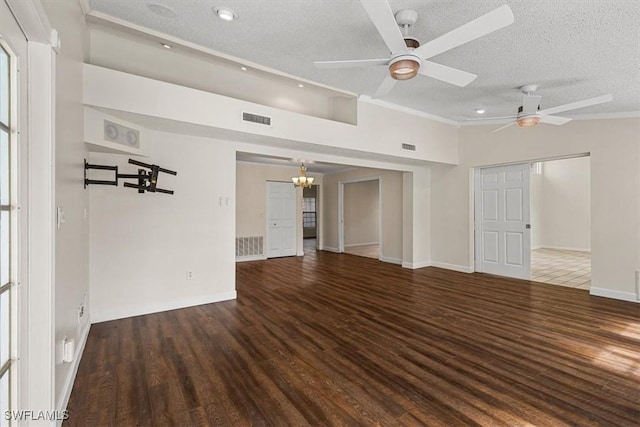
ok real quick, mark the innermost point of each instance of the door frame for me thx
(474, 181)
(36, 234)
(341, 211)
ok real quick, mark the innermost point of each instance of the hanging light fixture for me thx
(302, 180)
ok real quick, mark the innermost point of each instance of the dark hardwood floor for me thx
(337, 339)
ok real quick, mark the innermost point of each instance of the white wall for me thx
(361, 213)
(72, 239)
(561, 205)
(143, 244)
(615, 191)
(392, 220)
(143, 56)
(537, 209)
(380, 130)
(251, 198)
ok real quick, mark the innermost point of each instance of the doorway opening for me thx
(310, 218)
(360, 231)
(561, 216)
(532, 221)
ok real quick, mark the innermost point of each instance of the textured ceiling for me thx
(573, 49)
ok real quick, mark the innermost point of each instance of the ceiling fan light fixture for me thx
(404, 68)
(528, 121)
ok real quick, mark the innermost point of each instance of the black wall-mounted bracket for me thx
(88, 181)
(147, 180)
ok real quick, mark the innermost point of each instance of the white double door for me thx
(503, 230)
(281, 219)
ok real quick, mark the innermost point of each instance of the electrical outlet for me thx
(189, 274)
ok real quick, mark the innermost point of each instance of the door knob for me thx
(528, 226)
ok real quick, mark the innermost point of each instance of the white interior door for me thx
(281, 219)
(502, 210)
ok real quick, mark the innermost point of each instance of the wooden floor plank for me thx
(337, 339)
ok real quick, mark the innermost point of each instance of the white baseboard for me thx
(609, 293)
(562, 248)
(454, 267)
(141, 309)
(327, 248)
(251, 258)
(353, 245)
(391, 260)
(300, 253)
(416, 265)
(71, 377)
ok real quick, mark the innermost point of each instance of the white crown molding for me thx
(85, 5)
(407, 110)
(176, 41)
(34, 22)
(604, 116)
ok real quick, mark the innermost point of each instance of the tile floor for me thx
(559, 267)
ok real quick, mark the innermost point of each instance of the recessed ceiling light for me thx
(243, 68)
(481, 111)
(166, 46)
(162, 10)
(300, 85)
(225, 13)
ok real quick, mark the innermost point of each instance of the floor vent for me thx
(255, 118)
(249, 246)
(409, 147)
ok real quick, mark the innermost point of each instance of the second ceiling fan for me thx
(408, 57)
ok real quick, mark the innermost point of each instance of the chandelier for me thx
(302, 180)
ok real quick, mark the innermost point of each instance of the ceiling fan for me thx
(530, 114)
(408, 57)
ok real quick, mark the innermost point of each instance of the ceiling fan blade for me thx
(351, 64)
(382, 16)
(554, 120)
(530, 104)
(385, 87)
(488, 23)
(446, 74)
(578, 104)
(503, 127)
(483, 119)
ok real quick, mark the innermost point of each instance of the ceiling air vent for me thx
(256, 118)
(409, 147)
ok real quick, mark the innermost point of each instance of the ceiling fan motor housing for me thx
(412, 42)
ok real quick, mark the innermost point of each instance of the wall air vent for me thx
(256, 118)
(409, 147)
(249, 246)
